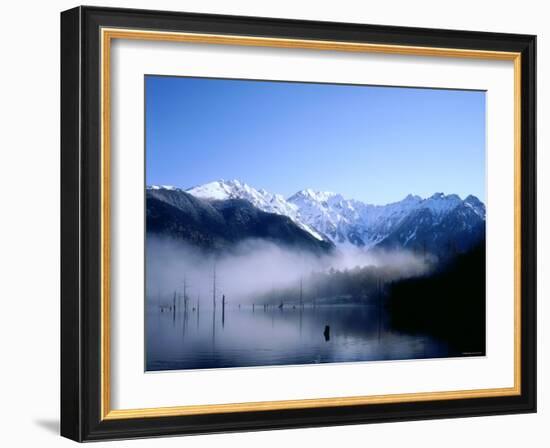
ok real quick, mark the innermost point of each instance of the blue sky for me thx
(375, 144)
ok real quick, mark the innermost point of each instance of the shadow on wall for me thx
(51, 426)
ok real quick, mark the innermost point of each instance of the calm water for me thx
(244, 336)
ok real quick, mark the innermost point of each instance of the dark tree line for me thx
(357, 285)
(450, 303)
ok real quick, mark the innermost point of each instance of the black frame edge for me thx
(529, 223)
(71, 384)
(80, 228)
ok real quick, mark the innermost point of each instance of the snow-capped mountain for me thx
(220, 225)
(416, 223)
(348, 221)
(265, 201)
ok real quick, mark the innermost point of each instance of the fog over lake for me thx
(267, 308)
(254, 267)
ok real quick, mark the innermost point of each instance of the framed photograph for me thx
(273, 223)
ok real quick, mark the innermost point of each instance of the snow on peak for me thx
(326, 215)
(439, 203)
(219, 190)
(412, 197)
(476, 205)
(309, 194)
(347, 221)
(473, 200)
(162, 187)
(262, 199)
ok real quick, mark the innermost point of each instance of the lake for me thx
(265, 336)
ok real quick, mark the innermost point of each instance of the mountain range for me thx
(222, 212)
(218, 225)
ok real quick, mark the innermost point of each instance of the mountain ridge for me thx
(219, 225)
(414, 222)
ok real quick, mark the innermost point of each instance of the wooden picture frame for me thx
(86, 35)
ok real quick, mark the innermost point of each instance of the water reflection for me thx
(259, 335)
